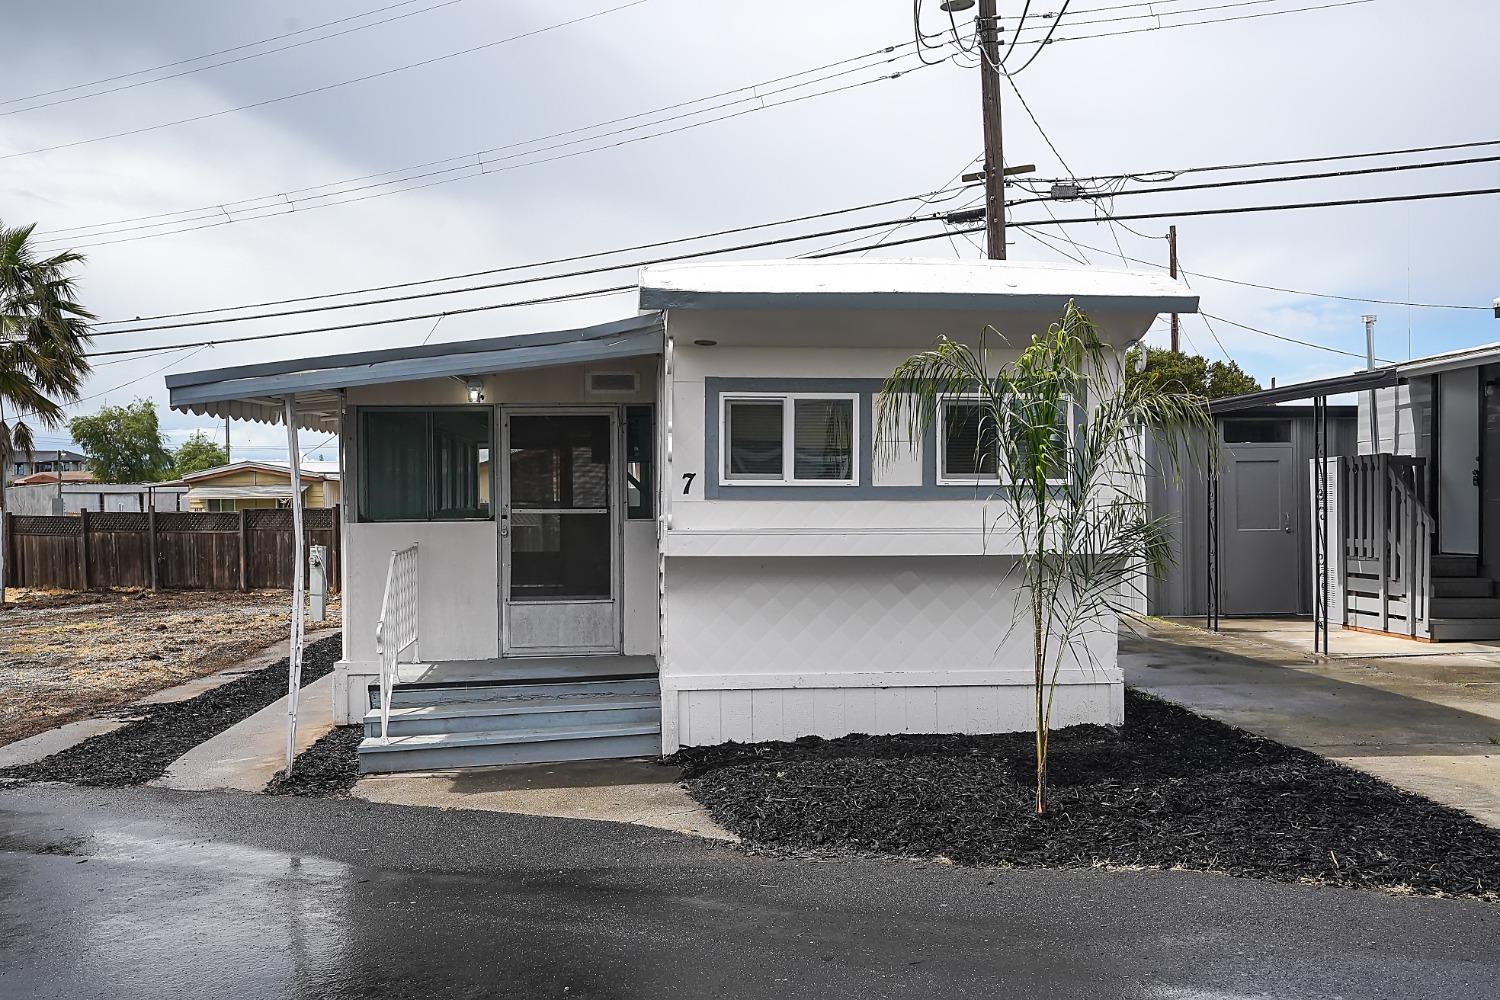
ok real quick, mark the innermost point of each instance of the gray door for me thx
(1259, 531)
(1458, 461)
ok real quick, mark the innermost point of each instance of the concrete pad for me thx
(247, 755)
(1409, 725)
(641, 792)
(34, 748)
(1296, 633)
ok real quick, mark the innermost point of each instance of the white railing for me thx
(1387, 536)
(396, 630)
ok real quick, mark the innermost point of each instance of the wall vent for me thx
(613, 383)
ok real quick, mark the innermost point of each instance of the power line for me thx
(1216, 20)
(1051, 30)
(226, 62)
(282, 197)
(544, 263)
(579, 273)
(1156, 176)
(1293, 340)
(1245, 209)
(565, 297)
(1244, 182)
(326, 87)
(290, 209)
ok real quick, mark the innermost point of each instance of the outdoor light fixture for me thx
(706, 343)
(476, 389)
(954, 6)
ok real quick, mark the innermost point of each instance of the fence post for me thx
(151, 547)
(83, 549)
(244, 549)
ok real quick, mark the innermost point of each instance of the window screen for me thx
(823, 433)
(754, 431)
(425, 465)
(970, 444)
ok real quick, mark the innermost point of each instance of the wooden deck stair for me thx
(480, 713)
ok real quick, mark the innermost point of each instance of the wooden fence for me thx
(248, 550)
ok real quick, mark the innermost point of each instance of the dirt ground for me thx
(66, 656)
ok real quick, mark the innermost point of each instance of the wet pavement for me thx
(145, 892)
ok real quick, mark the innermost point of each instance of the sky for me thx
(1352, 78)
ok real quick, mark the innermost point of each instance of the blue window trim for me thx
(866, 388)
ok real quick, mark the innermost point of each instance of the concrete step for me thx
(1444, 564)
(539, 713)
(407, 695)
(443, 751)
(1462, 586)
(1465, 607)
(1464, 629)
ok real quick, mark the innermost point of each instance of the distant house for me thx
(22, 465)
(38, 495)
(260, 485)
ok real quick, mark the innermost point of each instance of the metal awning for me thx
(1375, 378)
(255, 392)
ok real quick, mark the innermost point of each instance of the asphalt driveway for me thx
(154, 893)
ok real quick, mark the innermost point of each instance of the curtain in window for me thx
(823, 439)
(396, 466)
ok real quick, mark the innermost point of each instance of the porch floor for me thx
(530, 668)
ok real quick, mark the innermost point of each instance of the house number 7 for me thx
(687, 482)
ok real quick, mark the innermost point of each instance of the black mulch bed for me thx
(1169, 789)
(329, 767)
(142, 750)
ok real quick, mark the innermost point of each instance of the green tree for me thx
(1075, 501)
(123, 444)
(197, 453)
(43, 338)
(1191, 373)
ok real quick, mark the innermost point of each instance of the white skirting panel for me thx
(708, 717)
(776, 648)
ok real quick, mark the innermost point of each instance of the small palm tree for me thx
(1065, 429)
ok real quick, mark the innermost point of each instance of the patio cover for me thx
(255, 392)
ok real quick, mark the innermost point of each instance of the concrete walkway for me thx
(640, 792)
(1430, 725)
(248, 754)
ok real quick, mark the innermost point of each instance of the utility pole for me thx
(1176, 320)
(994, 154)
(227, 459)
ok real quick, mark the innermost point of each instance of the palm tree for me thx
(1065, 429)
(43, 336)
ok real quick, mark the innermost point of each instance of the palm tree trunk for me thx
(1039, 669)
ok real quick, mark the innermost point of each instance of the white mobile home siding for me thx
(829, 616)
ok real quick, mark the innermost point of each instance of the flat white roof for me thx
(913, 283)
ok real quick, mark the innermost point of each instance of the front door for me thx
(1458, 461)
(559, 533)
(1259, 531)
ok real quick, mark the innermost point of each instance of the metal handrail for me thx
(396, 629)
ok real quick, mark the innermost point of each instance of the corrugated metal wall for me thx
(1183, 589)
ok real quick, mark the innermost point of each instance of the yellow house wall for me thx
(320, 493)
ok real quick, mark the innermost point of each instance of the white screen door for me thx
(559, 533)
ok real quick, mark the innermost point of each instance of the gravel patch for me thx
(329, 768)
(66, 656)
(1169, 789)
(142, 750)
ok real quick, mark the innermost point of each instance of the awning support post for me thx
(1211, 546)
(294, 651)
(1320, 600)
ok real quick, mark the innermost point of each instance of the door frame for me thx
(613, 413)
